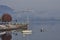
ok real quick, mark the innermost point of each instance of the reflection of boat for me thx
(26, 32)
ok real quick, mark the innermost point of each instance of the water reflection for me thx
(52, 33)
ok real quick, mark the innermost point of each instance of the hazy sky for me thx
(50, 6)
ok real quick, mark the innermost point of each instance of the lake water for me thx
(52, 33)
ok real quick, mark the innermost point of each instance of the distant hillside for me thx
(5, 9)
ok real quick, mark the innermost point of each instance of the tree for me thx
(6, 17)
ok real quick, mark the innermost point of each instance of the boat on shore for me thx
(10, 27)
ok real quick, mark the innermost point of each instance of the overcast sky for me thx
(42, 5)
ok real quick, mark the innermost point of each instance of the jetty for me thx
(10, 27)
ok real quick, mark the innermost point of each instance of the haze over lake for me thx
(41, 13)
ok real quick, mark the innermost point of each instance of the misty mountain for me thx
(5, 9)
(34, 15)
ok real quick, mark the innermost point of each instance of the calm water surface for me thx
(52, 33)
